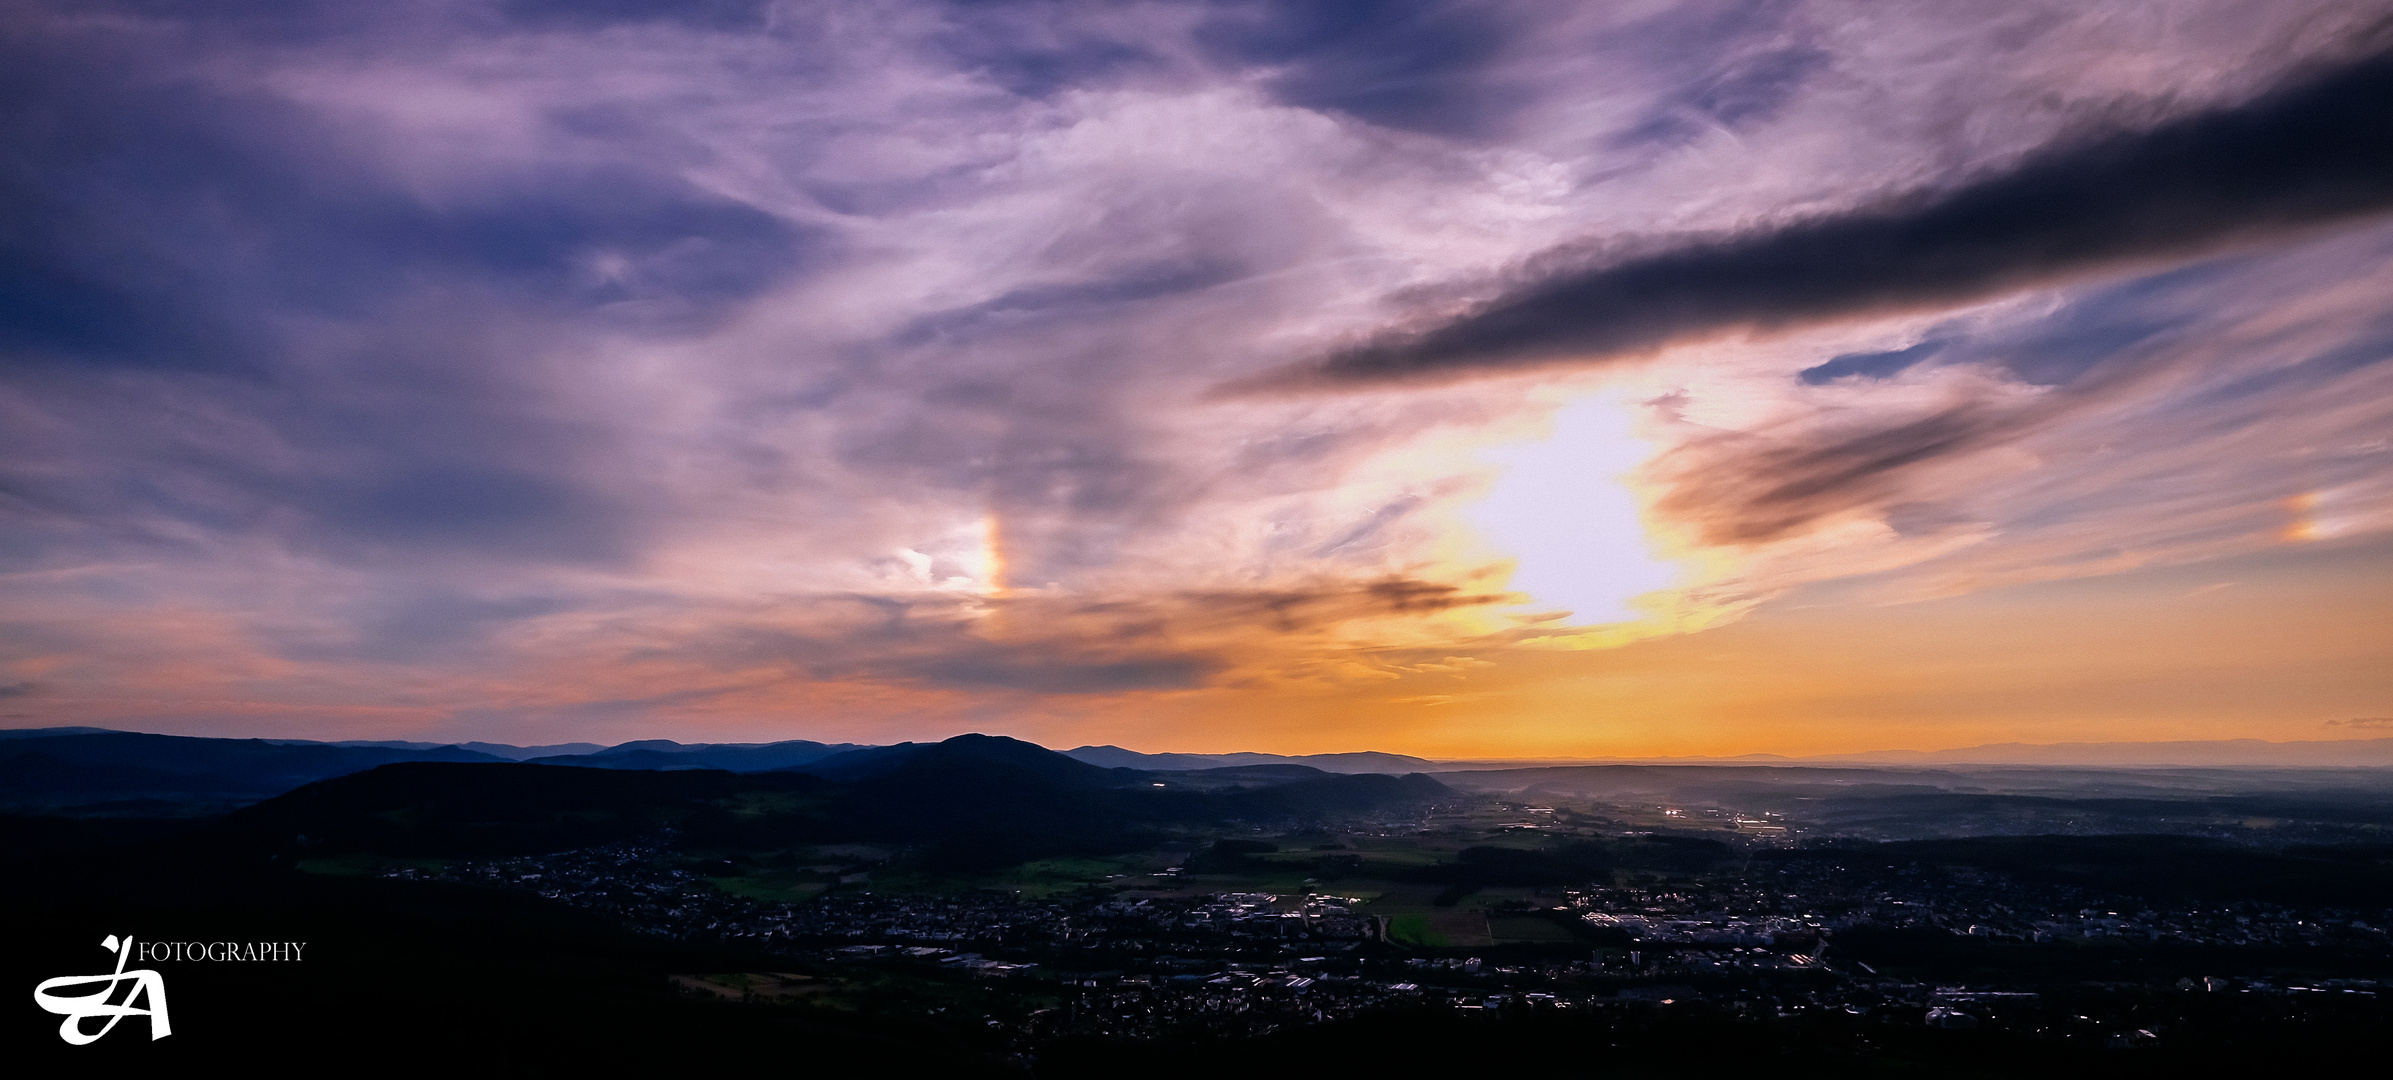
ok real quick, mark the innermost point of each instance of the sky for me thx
(1470, 379)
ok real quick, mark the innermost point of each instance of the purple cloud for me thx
(496, 358)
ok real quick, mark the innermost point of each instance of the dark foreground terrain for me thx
(986, 907)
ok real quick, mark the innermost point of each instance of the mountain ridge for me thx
(973, 801)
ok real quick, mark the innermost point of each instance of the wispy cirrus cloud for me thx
(2299, 157)
(729, 363)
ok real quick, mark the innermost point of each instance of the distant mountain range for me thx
(2218, 753)
(2223, 753)
(126, 772)
(729, 757)
(87, 771)
(84, 770)
(2215, 752)
(970, 802)
(1114, 757)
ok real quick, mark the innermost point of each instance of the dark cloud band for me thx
(2300, 156)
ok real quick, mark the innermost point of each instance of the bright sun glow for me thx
(1564, 511)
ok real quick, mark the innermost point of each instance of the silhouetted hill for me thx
(733, 757)
(70, 771)
(630, 759)
(987, 759)
(44, 782)
(975, 801)
(981, 801)
(988, 755)
(858, 764)
(1114, 757)
(42, 773)
(437, 808)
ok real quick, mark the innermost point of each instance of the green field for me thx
(1414, 930)
(1380, 873)
(1441, 929)
(365, 864)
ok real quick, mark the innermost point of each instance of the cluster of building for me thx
(1824, 896)
(1120, 965)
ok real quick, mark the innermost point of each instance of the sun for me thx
(1564, 511)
